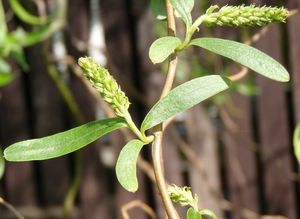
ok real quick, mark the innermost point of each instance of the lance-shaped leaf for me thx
(296, 141)
(182, 98)
(183, 8)
(62, 143)
(126, 165)
(162, 48)
(192, 214)
(245, 55)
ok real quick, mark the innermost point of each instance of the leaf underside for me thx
(126, 165)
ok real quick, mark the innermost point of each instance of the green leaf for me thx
(62, 143)
(182, 98)
(4, 66)
(126, 165)
(162, 48)
(296, 141)
(192, 214)
(24, 15)
(158, 9)
(5, 78)
(209, 213)
(3, 27)
(183, 8)
(245, 55)
(2, 163)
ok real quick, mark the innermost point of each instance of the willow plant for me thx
(177, 100)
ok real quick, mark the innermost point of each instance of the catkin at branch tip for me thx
(106, 85)
(242, 15)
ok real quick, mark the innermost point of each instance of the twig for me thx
(158, 130)
(11, 208)
(241, 74)
(136, 204)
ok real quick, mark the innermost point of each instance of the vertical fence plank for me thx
(94, 193)
(240, 156)
(48, 118)
(294, 52)
(119, 34)
(274, 136)
(14, 126)
(205, 179)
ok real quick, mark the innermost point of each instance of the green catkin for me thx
(183, 196)
(106, 85)
(237, 16)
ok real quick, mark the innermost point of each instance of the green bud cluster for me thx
(242, 15)
(106, 85)
(183, 196)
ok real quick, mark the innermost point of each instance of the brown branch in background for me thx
(137, 204)
(11, 208)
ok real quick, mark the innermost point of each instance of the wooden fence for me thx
(237, 157)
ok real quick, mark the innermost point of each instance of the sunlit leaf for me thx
(192, 214)
(296, 141)
(182, 98)
(162, 48)
(126, 165)
(183, 8)
(245, 55)
(62, 143)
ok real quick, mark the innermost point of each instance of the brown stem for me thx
(137, 203)
(11, 208)
(241, 74)
(158, 130)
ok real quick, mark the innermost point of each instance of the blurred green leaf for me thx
(182, 98)
(5, 78)
(245, 55)
(183, 8)
(3, 27)
(2, 163)
(62, 143)
(192, 214)
(126, 165)
(162, 48)
(296, 141)
(40, 34)
(207, 212)
(4, 66)
(24, 15)
(158, 9)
